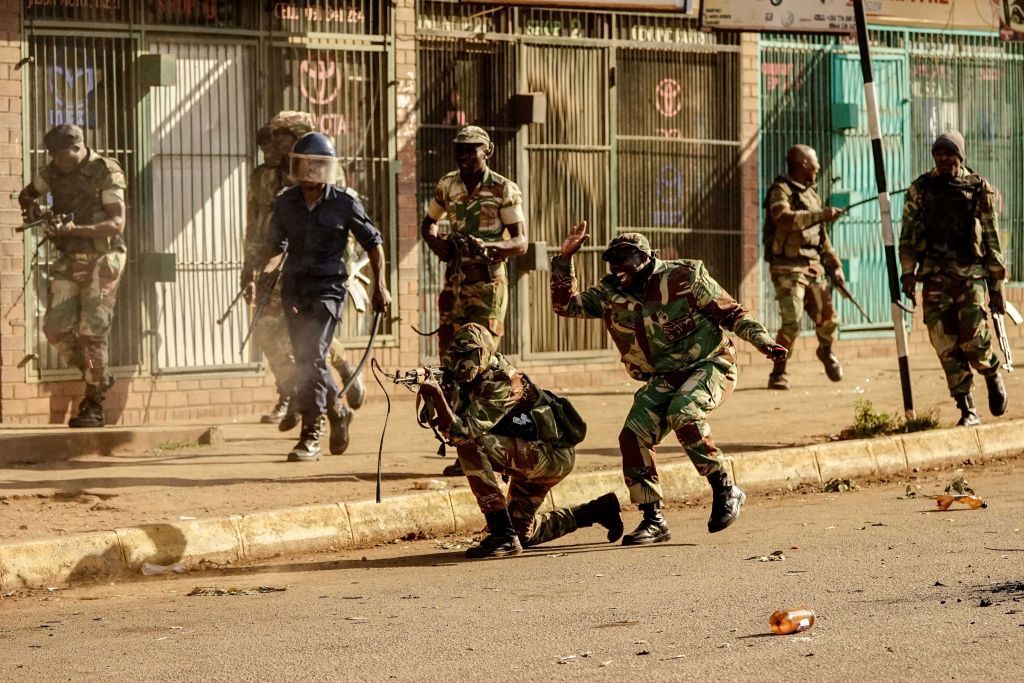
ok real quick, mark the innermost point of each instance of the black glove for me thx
(909, 285)
(995, 302)
(775, 352)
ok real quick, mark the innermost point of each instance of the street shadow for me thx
(169, 547)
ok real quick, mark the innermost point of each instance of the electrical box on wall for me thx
(529, 107)
(845, 115)
(156, 70)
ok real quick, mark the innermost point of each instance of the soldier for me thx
(312, 220)
(271, 330)
(667, 318)
(494, 422)
(802, 260)
(482, 207)
(90, 261)
(950, 242)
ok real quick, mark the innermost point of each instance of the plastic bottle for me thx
(153, 569)
(787, 621)
(973, 502)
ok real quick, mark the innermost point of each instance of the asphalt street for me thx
(901, 592)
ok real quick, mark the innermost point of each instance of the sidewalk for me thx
(42, 498)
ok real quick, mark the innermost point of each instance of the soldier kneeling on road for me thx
(500, 422)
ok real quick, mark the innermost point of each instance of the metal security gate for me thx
(202, 139)
(84, 81)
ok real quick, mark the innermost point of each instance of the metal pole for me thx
(884, 207)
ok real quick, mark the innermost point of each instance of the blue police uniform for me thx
(313, 280)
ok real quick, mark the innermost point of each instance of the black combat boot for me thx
(278, 412)
(357, 391)
(291, 416)
(968, 414)
(652, 528)
(777, 380)
(726, 501)
(340, 418)
(832, 367)
(997, 398)
(308, 447)
(501, 540)
(90, 410)
(453, 470)
(605, 511)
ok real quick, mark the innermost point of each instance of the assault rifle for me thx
(52, 221)
(845, 292)
(1004, 341)
(266, 283)
(412, 378)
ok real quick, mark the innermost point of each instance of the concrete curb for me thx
(21, 447)
(330, 527)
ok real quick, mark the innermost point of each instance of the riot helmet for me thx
(313, 160)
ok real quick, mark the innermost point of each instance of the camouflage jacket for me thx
(495, 203)
(677, 323)
(265, 183)
(792, 243)
(951, 227)
(83, 192)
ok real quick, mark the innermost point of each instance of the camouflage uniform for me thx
(271, 330)
(672, 339)
(950, 242)
(800, 255)
(85, 276)
(475, 288)
(498, 417)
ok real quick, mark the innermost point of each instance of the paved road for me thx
(248, 473)
(896, 586)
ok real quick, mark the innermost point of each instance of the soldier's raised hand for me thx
(574, 240)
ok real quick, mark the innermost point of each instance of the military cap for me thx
(472, 135)
(298, 123)
(60, 138)
(628, 240)
(953, 141)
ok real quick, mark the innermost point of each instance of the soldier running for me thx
(950, 242)
(668, 321)
(501, 423)
(481, 206)
(90, 261)
(271, 330)
(802, 260)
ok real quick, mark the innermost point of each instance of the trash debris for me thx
(211, 590)
(959, 486)
(429, 484)
(358, 620)
(665, 659)
(785, 622)
(973, 502)
(606, 662)
(839, 486)
(774, 556)
(155, 569)
(985, 602)
(567, 659)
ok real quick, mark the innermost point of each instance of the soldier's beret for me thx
(628, 240)
(472, 135)
(60, 138)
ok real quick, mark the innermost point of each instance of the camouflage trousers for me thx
(271, 335)
(957, 322)
(79, 308)
(533, 467)
(459, 303)
(680, 403)
(799, 291)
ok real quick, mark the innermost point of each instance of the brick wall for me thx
(12, 315)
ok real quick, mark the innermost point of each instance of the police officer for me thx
(500, 422)
(668, 320)
(802, 260)
(485, 211)
(90, 261)
(950, 243)
(312, 221)
(271, 330)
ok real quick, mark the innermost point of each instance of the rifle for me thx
(845, 292)
(48, 218)
(231, 306)
(1004, 341)
(266, 283)
(412, 378)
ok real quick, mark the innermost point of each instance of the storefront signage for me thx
(683, 6)
(288, 12)
(111, 5)
(810, 16)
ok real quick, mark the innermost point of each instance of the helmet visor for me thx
(310, 168)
